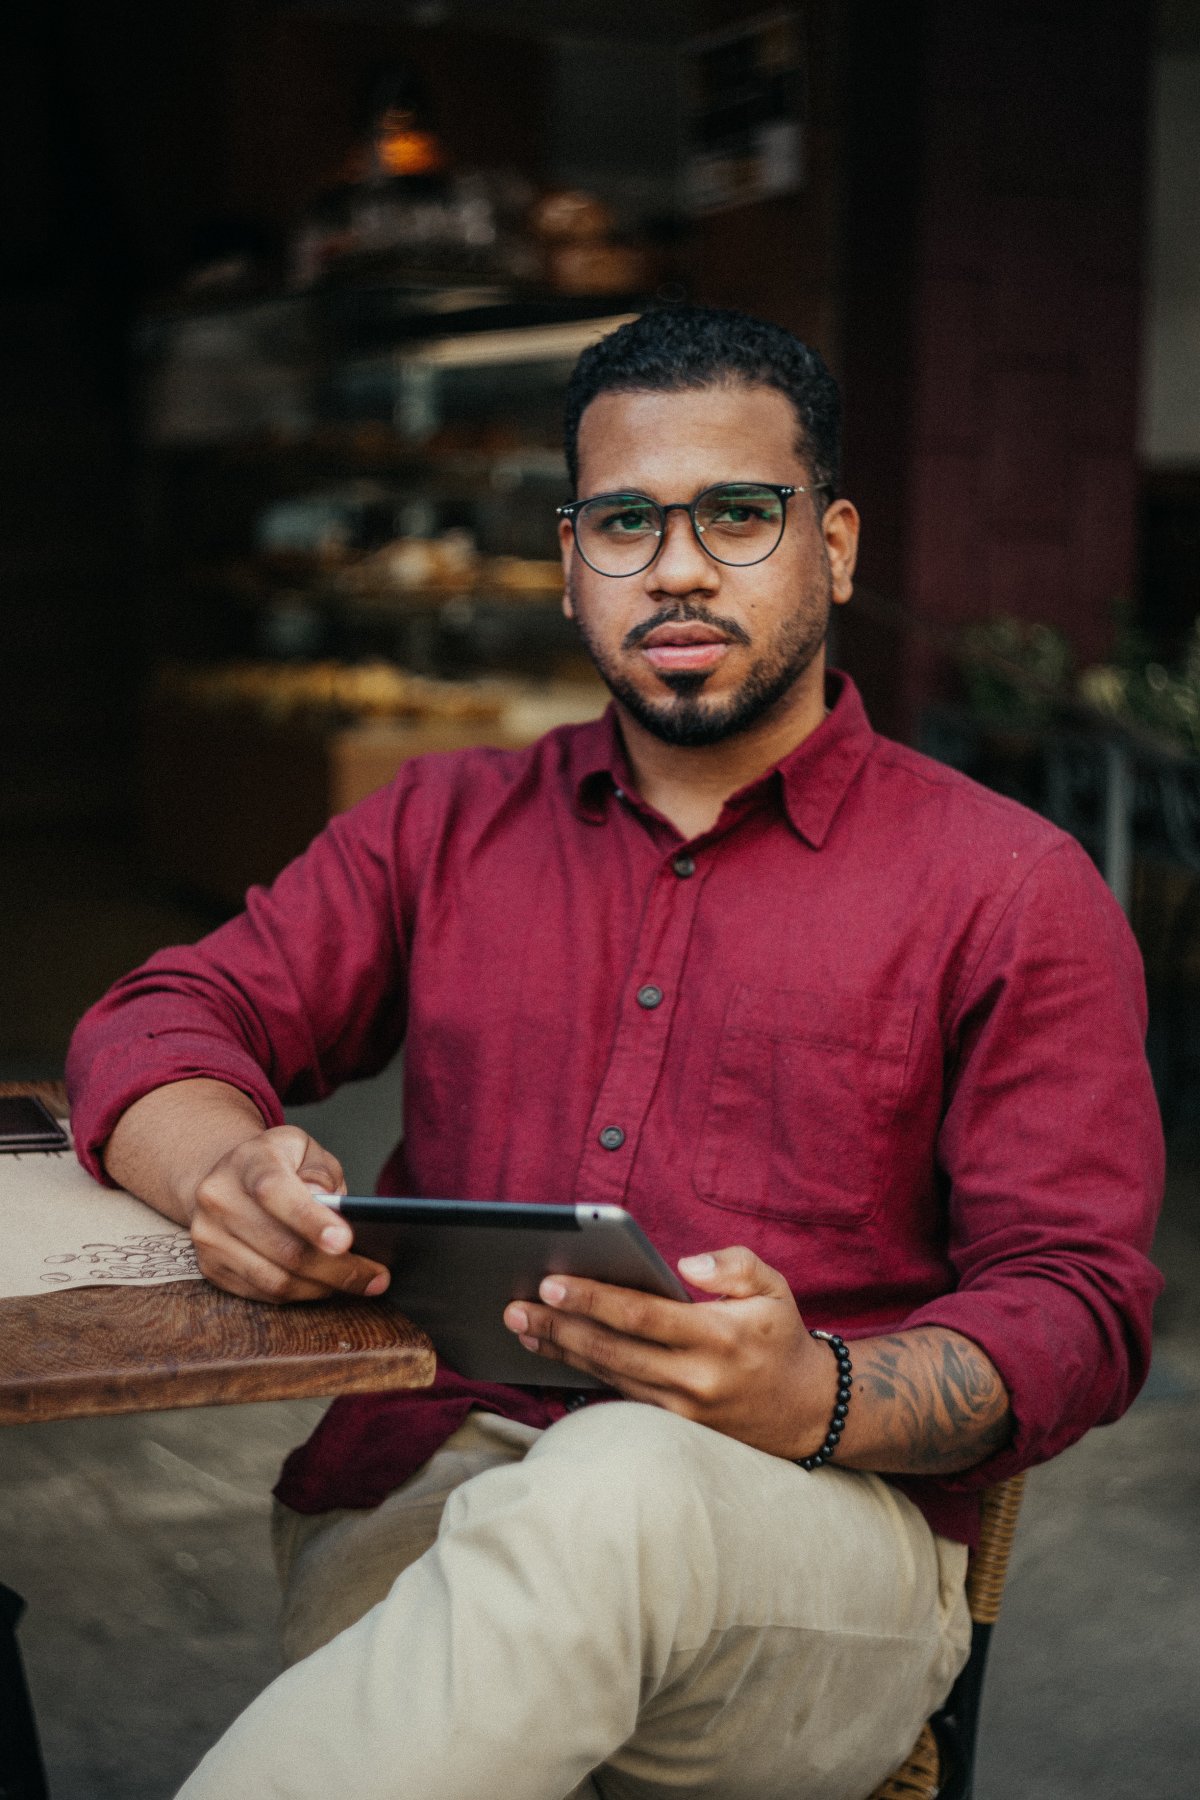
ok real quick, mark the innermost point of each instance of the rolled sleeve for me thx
(108, 1069)
(1052, 1152)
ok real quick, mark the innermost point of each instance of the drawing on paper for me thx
(147, 1256)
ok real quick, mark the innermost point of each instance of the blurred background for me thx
(289, 292)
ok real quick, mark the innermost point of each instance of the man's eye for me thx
(741, 512)
(629, 519)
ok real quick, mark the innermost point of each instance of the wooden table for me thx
(90, 1351)
(185, 1343)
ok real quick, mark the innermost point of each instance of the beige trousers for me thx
(626, 1605)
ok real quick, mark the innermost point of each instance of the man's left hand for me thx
(742, 1362)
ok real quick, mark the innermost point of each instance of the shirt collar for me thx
(598, 765)
(814, 777)
(817, 774)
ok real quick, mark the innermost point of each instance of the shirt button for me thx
(573, 1402)
(649, 997)
(612, 1137)
(683, 865)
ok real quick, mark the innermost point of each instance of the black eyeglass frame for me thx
(782, 491)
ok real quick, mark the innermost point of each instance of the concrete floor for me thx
(140, 1544)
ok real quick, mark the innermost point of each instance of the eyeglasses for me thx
(736, 522)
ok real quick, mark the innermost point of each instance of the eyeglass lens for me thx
(619, 534)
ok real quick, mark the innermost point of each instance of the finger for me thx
(280, 1169)
(285, 1192)
(321, 1169)
(240, 1270)
(734, 1274)
(595, 1348)
(625, 1310)
(226, 1214)
(629, 1385)
(294, 1149)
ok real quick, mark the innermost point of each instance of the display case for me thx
(351, 552)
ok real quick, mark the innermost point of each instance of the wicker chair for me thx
(941, 1764)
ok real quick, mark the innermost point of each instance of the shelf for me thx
(370, 410)
(373, 310)
(385, 454)
(254, 583)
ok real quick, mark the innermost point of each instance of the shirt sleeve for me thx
(303, 990)
(1052, 1154)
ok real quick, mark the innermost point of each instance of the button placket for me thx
(638, 1050)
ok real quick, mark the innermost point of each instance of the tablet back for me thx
(456, 1264)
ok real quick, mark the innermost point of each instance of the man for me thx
(857, 1042)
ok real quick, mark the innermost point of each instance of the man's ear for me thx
(839, 528)
(566, 545)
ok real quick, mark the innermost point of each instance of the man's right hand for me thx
(199, 1152)
(258, 1231)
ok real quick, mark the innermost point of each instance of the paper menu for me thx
(61, 1229)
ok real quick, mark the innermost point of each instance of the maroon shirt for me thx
(880, 1024)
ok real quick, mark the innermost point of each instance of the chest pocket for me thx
(803, 1096)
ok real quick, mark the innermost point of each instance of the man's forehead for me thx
(726, 431)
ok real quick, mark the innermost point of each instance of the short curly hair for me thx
(680, 347)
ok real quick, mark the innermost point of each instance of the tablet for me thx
(456, 1264)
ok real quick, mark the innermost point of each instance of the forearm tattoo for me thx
(946, 1404)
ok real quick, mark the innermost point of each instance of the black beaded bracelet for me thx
(841, 1405)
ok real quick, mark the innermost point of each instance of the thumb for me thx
(320, 1169)
(735, 1274)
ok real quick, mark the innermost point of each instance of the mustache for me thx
(685, 613)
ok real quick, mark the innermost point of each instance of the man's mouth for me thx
(684, 648)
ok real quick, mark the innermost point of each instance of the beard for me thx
(685, 717)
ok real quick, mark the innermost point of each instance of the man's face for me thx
(694, 649)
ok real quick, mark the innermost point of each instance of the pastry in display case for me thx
(352, 555)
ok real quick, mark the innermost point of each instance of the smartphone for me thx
(25, 1124)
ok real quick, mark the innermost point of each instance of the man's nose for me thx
(681, 566)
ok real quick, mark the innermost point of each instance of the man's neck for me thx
(690, 785)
